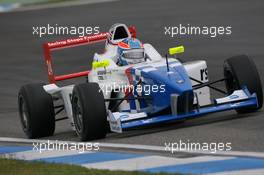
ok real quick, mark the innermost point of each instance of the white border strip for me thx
(9, 7)
(147, 162)
(139, 147)
(22, 8)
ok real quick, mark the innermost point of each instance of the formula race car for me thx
(132, 85)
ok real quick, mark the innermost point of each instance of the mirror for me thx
(176, 50)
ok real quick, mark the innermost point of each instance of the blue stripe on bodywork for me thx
(84, 158)
(211, 167)
(13, 149)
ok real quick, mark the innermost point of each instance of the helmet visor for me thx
(133, 54)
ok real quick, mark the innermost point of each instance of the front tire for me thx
(36, 111)
(89, 111)
(241, 71)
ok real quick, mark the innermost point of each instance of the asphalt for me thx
(21, 60)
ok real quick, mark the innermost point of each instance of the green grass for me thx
(20, 167)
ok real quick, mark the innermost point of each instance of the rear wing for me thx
(69, 43)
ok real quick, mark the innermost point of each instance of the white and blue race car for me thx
(145, 89)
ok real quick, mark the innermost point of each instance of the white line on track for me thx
(137, 147)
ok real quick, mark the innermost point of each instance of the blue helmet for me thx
(130, 51)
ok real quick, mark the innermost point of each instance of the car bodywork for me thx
(182, 89)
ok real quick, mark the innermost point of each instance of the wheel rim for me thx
(23, 113)
(77, 115)
(231, 82)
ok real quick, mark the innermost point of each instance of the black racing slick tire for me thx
(89, 111)
(241, 71)
(36, 111)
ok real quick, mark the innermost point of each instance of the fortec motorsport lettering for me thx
(76, 40)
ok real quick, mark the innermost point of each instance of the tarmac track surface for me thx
(21, 60)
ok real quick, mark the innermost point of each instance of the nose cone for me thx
(174, 81)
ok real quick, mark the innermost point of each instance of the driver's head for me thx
(130, 51)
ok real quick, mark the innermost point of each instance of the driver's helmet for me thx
(130, 51)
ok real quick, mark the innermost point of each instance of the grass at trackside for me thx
(19, 167)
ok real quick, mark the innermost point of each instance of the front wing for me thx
(238, 99)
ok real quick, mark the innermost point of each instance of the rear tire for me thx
(36, 111)
(89, 111)
(241, 71)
